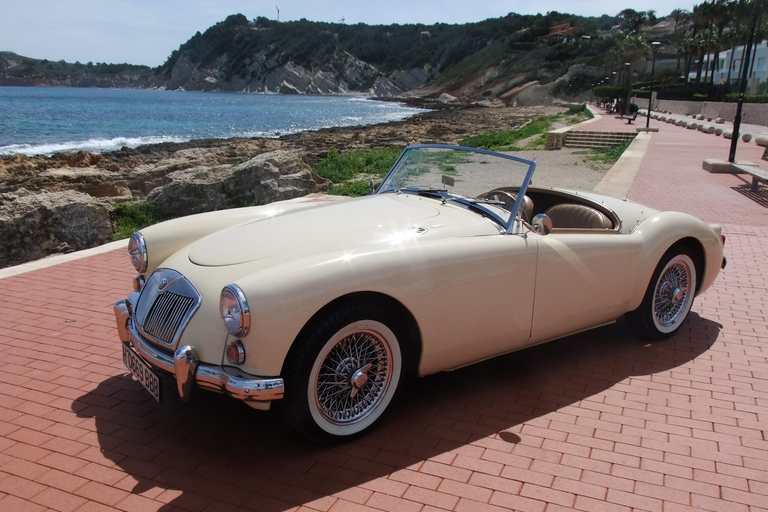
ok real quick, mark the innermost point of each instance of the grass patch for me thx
(130, 217)
(506, 141)
(607, 155)
(350, 172)
(340, 167)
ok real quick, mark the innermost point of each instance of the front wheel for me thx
(343, 374)
(669, 297)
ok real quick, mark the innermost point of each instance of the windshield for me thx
(484, 181)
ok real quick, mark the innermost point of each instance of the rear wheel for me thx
(344, 373)
(669, 296)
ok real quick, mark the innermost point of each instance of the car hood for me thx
(343, 225)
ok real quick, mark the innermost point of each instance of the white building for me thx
(757, 76)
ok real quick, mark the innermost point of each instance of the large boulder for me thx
(265, 178)
(36, 225)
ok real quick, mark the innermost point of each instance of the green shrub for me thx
(505, 141)
(130, 217)
(339, 167)
(748, 98)
(610, 91)
(699, 97)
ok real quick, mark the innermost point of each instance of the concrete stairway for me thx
(588, 139)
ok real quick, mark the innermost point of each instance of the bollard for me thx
(746, 137)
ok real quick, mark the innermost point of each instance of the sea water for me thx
(42, 120)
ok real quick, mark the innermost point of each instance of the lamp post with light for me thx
(627, 66)
(654, 48)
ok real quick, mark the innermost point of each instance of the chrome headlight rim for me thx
(244, 311)
(137, 250)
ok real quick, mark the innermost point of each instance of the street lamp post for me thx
(654, 48)
(626, 102)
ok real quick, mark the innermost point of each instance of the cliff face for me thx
(268, 71)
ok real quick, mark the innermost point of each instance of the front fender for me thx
(660, 232)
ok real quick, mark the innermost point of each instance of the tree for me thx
(631, 20)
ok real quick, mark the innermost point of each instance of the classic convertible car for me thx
(324, 305)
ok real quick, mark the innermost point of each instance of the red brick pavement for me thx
(597, 421)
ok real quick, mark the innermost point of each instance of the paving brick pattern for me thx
(598, 421)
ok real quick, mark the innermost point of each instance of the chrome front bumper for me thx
(188, 370)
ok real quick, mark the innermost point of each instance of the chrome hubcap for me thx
(669, 302)
(353, 377)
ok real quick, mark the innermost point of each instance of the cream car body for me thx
(468, 286)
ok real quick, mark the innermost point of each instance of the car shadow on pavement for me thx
(215, 449)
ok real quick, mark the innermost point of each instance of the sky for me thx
(147, 31)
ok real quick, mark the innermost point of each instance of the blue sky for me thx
(147, 31)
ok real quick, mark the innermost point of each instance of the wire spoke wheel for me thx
(669, 296)
(353, 377)
(672, 293)
(344, 373)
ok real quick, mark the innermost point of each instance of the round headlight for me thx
(234, 310)
(137, 250)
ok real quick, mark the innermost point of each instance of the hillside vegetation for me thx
(307, 57)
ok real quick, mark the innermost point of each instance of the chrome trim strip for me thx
(184, 363)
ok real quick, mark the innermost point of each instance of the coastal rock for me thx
(264, 178)
(36, 225)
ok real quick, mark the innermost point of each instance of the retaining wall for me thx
(752, 113)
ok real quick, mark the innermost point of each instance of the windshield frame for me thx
(514, 214)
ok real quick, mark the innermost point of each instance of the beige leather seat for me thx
(577, 216)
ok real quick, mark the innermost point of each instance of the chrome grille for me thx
(167, 302)
(166, 315)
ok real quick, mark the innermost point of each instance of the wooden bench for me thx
(758, 174)
(629, 118)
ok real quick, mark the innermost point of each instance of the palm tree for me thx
(679, 16)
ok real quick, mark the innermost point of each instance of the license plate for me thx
(142, 371)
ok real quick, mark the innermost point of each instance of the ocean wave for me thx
(92, 145)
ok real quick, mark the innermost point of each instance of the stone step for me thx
(589, 139)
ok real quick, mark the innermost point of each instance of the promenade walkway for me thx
(598, 421)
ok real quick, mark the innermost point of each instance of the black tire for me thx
(669, 296)
(343, 373)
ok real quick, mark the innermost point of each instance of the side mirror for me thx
(542, 224)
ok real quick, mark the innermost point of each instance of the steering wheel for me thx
(500, 195)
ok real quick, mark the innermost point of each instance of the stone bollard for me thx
(679, 122)
(709, 129)
(762, 140)
(746, 137)
(700, 117)
(709, 119)
(719, 120)
(718, 131)
(671, 120)
(700, 127)
(727, 134)
(692, 126)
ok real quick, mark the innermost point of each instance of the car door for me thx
(581, 281)
(476, 300)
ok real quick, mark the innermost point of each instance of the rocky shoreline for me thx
(199, 175)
